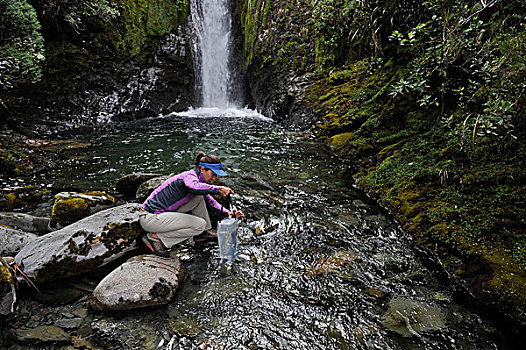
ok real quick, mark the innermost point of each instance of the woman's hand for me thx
(225, 191)
(236, 213)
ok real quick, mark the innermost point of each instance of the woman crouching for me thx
(177, 211)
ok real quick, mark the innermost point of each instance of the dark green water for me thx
(319, 265)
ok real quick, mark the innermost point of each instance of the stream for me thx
(319, 265)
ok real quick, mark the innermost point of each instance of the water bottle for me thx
(227, 237)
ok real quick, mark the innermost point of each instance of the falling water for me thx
(212, 26)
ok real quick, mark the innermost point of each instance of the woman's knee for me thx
(200, 224)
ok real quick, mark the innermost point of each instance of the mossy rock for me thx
(70, 207)
(7, 289)
(23, 197)
(83, 246)
(6, 278)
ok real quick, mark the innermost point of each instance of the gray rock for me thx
(42, 334)
(69, 323)
(147, 187)
(25, 222)
(12, 241)
(142, 281)
(83, 246)
(410, 317)
(129, 184)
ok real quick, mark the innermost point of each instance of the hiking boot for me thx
(155, 245)
(206, 236)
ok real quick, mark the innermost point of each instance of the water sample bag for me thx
(227, 237)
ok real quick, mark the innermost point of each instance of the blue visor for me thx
(216, 168)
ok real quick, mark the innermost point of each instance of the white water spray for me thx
(212, 27)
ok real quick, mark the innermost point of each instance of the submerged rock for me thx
(69, 207)
(25, 222)
(82, 246)
(410, 317)
(42, 334)
(7, 290)
(334, 263)
(129, 184)
(145, 280)
(12, 241)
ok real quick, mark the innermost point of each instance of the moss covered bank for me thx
(428, 102)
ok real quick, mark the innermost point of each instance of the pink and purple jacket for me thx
(179, 190)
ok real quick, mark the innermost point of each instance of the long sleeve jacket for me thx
(179, 190)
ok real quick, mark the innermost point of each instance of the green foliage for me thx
(466, 65)
(351, 29)
(144, 18)
(21, 44)
(77, 13)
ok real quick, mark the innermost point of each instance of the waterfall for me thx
(212, 26)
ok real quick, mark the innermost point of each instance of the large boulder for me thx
(7, 290)
(25, 222)
(129, 184)
(82, 246)
(12, 241)
(69, 207)
(149, 186)
(145, 280)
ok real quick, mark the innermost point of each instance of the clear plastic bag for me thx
(227, 239)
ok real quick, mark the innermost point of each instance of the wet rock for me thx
(374, 292)
(7, 290)
(25, 222)
(122, 334)
(82, 312)
(147, 187)
(61, 145)
(12, 241)
(336, 262)
(142, 281)
(83, 246)
(69, 207)
(69, 323)
(183, 326)
(410, 317)
(23, 197)
(42, 334)
(129, 184)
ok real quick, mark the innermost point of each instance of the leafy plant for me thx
(21, 44)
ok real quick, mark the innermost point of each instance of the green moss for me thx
(68, 210)
(6, 279)
(144, 18)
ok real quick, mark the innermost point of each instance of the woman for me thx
(176, 210)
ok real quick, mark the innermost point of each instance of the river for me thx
(320, 265)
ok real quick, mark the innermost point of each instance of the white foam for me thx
(213, 112)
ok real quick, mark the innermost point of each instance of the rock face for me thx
(70, 207)
(278, 81)
(25, 222)
(12, 241)
(129, 184)
(82, 246)
(126, 71)
(142, 281)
